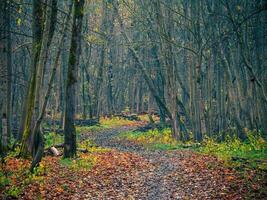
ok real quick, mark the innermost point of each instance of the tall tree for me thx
(5, 71)
(69, 129)
(37, 23)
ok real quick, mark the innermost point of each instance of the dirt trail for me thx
(155, 185)
(127, 171)
(175, 174)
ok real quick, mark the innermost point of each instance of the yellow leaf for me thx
(18, 21)
(238, 8)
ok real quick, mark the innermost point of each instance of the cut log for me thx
(54, 151)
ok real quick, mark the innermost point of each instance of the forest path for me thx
(124, 170)
(153, 180)
(176, 174)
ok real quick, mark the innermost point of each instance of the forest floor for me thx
(117, 168)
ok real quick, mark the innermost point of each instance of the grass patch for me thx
(115, 122)
(4, 180)
(145, 118)
(91, 147)
(178, 145)
(13, 192)
(252, 153)
(84, 162)
(249, 153)
(167, 147)
(95, 128)
(158, 139)
(53, 138)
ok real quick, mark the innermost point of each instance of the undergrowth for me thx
(145, 118)
(252, 152)
(52, 139)
(15, 176)
(115, 122)
(83, 162)
(91, 147)
(95, 128)
(161, 139)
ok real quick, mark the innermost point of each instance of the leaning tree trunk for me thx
(36, 48)
(38, 138)
(69, 129)
(46, 41)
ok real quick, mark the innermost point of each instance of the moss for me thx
(30, 101)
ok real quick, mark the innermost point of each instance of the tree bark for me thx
(5, 67)
(30, 97)
(69, 129)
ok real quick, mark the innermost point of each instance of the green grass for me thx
(115, 122)
(53, 138)
(13, 191)
(161, 139)
(95, 128)
(84, 162)
(166, 147)
(249, 153)
(4, 180)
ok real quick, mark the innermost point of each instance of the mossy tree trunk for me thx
(69, 115)
(48, 32)
(36, 48)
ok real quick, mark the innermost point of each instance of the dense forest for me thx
(173, 88)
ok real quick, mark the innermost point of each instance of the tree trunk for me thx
(5, 67)
(69, 129)
(38, 138)
(30, 97)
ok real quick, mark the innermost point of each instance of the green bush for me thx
(253, 150)
(13, 191)
(4, 181)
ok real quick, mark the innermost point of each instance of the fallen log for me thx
(54, 151)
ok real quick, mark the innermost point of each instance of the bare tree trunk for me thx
(69, 129)
(38, 144)
(5, 67)
(46, 41)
